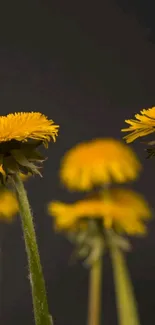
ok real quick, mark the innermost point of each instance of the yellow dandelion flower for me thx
(20, 135)
(8, 205)
(27, 125)
(98, 162)
(143, 125)
(122, 209)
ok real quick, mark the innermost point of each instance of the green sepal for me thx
(97, 251)
(79, 253)
(30, 152)
(33, 155)
(10, 165)
(122, 243)
(89, 244)
(83, 252)
(24, 162)
(118, 241)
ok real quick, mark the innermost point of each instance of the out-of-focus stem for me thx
(94, 308)
(125, 300)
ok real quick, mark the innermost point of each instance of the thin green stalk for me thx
(94, 308)
(41, 313)
(125, 300)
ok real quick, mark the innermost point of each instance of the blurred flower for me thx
(8, 205)
(2, 172)
(143, 125)
(20, 135)
(8, 201)
(122, 209)
(98, 162)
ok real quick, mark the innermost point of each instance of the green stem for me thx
(94, 308)
(125, 300)
(41, 313)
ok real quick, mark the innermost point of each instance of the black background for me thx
(88, 65)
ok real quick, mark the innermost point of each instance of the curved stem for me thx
(41, 313)
(125, 300)
(94, 308)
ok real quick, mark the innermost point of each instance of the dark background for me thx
(88, 65)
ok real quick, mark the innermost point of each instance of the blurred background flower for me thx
(118, 208)
(99, 222)
(98, 162)
(8, 205)
(143, 125)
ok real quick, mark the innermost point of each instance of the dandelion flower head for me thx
(121, 209)
(98, 162)
(27, 125)
(142, 125)
(20, 135)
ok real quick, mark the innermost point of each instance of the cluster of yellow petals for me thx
(122, 208)
(97, 162)
(24, 125)
(143, 125)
